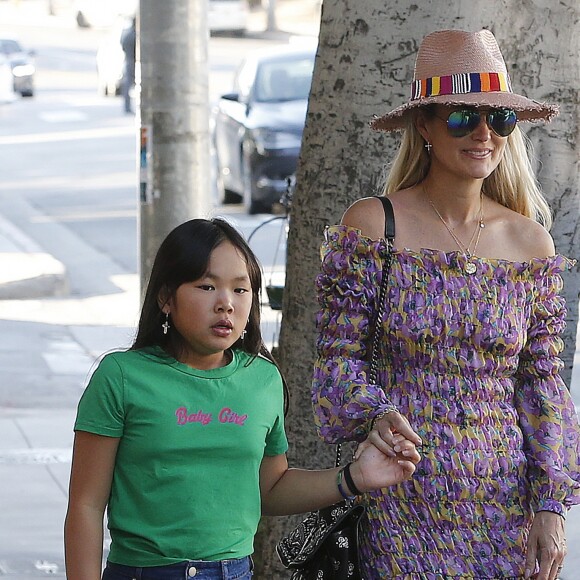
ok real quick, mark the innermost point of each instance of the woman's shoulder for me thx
(367, 216)
(527, 238)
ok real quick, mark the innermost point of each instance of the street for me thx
(68, 184)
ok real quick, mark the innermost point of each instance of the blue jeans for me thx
(240, 569)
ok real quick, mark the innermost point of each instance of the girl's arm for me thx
(90, 487)
(287, 491)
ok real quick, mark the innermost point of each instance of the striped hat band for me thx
(460, 84)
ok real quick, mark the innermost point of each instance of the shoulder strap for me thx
(389, 218)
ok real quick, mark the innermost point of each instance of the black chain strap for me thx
(387, 257)
(374, 358)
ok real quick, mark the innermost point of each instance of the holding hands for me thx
(373, 469)
(389, 454)
(388, 432)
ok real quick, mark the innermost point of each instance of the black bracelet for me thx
(340, 485)
(349, 481)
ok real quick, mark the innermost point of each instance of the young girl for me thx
(182, 436)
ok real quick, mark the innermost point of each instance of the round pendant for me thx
(470, 268)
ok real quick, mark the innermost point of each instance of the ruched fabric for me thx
(472, 362)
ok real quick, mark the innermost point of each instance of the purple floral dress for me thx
(472, 362)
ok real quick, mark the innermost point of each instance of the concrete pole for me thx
(174, 128)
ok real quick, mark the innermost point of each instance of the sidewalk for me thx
(35, 452)
(47, 351)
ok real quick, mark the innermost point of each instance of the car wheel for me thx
(27, 93)
(252, 205)
(230, 196)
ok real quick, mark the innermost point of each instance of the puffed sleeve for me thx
(347, 289)
(101, 409)
(548, 419)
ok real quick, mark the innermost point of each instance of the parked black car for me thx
(22, 65)
(258, 127)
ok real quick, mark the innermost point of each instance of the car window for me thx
(287, 80)
(8, 46)
(245, 79)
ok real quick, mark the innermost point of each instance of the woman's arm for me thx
(546, 412)
(344, 401)
(549, 425)
(287, 491)
(90, 486)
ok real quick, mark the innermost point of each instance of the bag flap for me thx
(300, 545)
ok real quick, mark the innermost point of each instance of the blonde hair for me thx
(513, 183)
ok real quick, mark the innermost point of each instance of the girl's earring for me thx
(166, 326)
(243, 335)
(428, 146)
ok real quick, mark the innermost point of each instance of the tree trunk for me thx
(364, 66)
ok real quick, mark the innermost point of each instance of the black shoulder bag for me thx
(324, 546)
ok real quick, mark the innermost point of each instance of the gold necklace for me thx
(470, 267)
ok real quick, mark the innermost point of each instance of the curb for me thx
(25, 270)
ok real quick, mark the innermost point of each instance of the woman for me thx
(470, 338)
(181, 438)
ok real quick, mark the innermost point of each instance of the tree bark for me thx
(540, 42)
(364, 66)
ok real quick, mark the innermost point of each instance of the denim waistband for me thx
(188, 570)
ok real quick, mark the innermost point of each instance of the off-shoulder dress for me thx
(472, 360)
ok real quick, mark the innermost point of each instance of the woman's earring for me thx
(243, 335)
(166, 326)
(428, 146)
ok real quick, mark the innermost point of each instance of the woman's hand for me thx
(546, 545)
(373, 469)
(389, 431)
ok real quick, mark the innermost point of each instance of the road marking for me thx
(90, 216)
(102, 133)
(63, 116)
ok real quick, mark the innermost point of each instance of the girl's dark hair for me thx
(184, 257)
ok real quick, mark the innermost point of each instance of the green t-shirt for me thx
(186, 478)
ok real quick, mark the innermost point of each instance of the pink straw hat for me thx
(454, 67)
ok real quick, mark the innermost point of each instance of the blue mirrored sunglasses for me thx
(462, 122)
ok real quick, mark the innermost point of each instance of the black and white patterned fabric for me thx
(324, 546)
